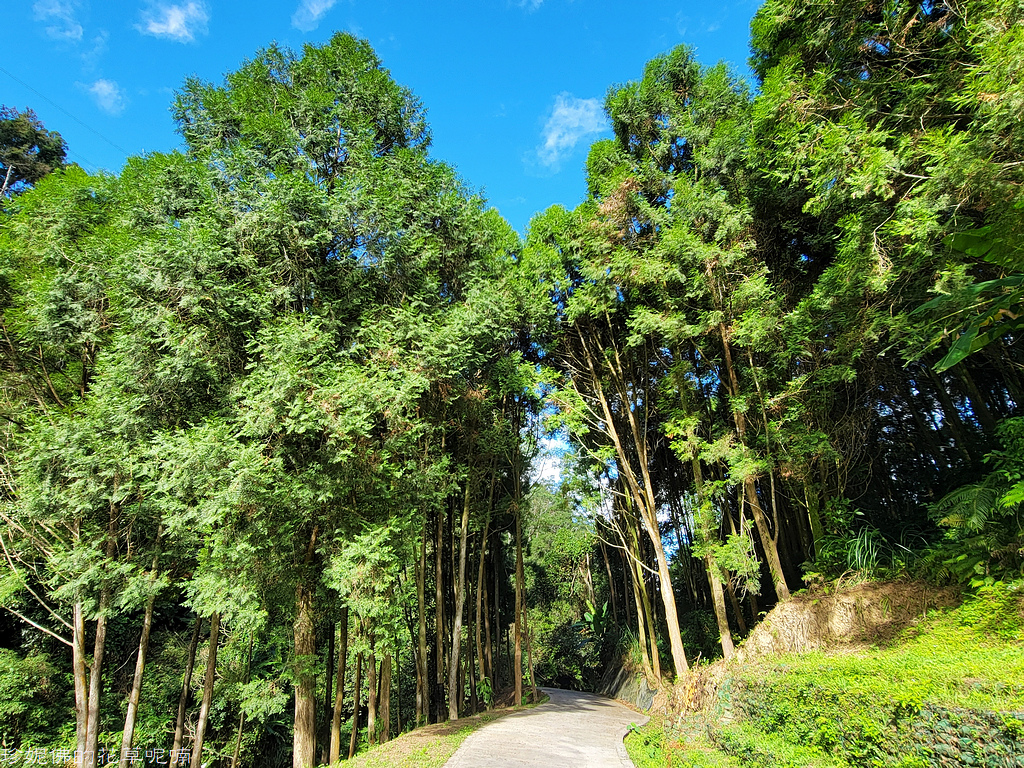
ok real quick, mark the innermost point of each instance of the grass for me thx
(648, 748)
(431, 745)
(944, 660)
(954, 681)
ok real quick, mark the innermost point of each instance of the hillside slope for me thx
(882, 675)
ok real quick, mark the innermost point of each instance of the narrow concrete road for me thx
(572, 730)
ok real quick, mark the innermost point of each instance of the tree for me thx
(28, 151)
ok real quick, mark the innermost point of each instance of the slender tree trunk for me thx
(768, 542)
(951, 419)
(327, 711)
(641, 627)
(718, 598)
(651, 622)
(241, 717)
(737, 609)
(492, 673)
(517, 669)
(81, 684)
(140, 661)
(439, 614)
(535, 694)
(339, 696)
(611, 583)
(460, 603)
(92, 730)
(385, 699)
(208, 681)
(422, 682)
(371, 697)
(304, 735)
(481, 585)
(179, 723)
(978, 403)
(813, 503)
(398, 691)
(642, 494)
(353, 741)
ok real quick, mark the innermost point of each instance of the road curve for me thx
(572, 730)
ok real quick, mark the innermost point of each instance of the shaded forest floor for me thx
(941, 685)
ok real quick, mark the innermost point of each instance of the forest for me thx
(273, 407)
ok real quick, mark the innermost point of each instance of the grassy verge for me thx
(648, 747)
(431, 745)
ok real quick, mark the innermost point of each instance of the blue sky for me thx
(513, 88)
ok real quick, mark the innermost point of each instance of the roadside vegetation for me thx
(945, 691)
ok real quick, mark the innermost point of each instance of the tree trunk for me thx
(643, 494)
(718, 598)
(978, 403)
(140, 661)
(241, 717)
(768, 542)
(398, 691)
(611, 583)
(385, 700)
(179, 723)
(81, 684)
(371, 697)
(339, 696)
(304, 734)
(323, 739)
(535, 694)
(422, 683)
(488, 645)
(439, 621)
(480, 587)
(211, 672)
(641, 627)
(517, 669)
(651, 621)
(460, 603)
(353, 741)
(92, 730)
(737, 609)
(133, 697)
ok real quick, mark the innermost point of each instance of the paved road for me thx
(573, 730)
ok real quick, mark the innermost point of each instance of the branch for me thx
(40, 627)
(31, 591)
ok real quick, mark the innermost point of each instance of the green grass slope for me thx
(947, 691)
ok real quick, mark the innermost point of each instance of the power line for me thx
(88, 127)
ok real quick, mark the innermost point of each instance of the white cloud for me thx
(307, 16)
(60, 15)
(108, 97)
(531, 5)
(178, 22)
(571, 120)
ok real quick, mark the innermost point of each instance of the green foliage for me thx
(29, 698)
(565, 653)
(985, 521)
(28, 151)
(645, 745)
(996, 609)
